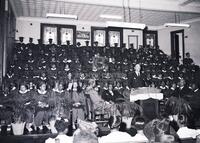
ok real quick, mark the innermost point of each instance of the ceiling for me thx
(150, 12)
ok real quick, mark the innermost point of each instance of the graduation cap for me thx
(96, 43)
(87, 43)
(21, 39)
(124, 45)
(68, 42)
(39, 41)
(131, 45)
(50, 40)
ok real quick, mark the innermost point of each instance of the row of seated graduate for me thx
(36, 62)
(43, 107)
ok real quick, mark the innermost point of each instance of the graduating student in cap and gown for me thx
(41, 99)
(60, 101)
(23, 97)
(78, 100)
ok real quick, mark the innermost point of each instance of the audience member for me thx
(85, 137)
(155, 131)
(62, 128)
(184, 131)
(115, 135)
(139, 124)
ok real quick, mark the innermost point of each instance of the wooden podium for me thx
(148, 98)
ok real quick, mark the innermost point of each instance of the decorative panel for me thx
(49, 33)
(114, 37)
(66, 35)
(100, 37)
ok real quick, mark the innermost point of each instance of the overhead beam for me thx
(13, 7)
(164, 5)
(186, 2)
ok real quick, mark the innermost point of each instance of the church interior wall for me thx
(192, 34)
(192, 42)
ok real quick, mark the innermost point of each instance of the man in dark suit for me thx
(182, 90)
(135, 79)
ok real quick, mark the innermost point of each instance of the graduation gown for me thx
(41, 102)
(78, 106)
(60, 103)
(24, 101)
(111, 95)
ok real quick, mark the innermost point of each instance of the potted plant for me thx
(128, 110)
(18, 120)
(176, 106)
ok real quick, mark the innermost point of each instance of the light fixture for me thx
(108, 16)
(177, 22)
(176, 25)
(125, 24)
(56, 15)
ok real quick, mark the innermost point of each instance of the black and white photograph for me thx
(99, 71)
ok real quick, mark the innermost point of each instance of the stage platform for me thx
(40, 138)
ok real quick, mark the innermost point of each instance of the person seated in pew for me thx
(61, 127)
